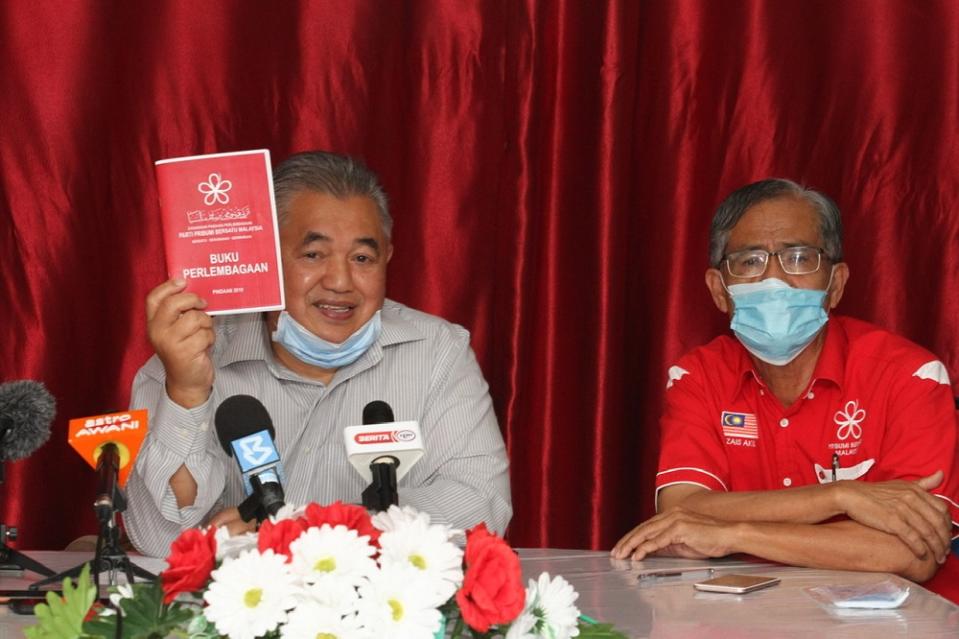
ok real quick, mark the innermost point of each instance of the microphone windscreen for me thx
(239, 416)
(377, 412)
(26, 412)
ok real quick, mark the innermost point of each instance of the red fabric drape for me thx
(552, 167)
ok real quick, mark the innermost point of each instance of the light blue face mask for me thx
(309, 348)
(775, 321)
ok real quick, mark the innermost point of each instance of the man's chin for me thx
(335, 332)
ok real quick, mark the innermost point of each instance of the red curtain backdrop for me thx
(552, 167)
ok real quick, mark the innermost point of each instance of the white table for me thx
(611, 590)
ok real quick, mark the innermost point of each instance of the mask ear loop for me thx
(832, 269)
(721, 279)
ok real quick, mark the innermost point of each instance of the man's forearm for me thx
(184, 487)
(843, 545)
(802, 505)
(459, 505)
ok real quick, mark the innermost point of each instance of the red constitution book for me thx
(220, 230)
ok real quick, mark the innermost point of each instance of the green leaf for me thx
(145, 616)
(599, 631)
(61, 617)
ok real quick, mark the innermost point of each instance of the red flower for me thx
(92, 613)
(190, 563)
(278, 536)
(492, 591)
(348, 515)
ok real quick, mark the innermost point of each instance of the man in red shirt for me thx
(808, 439)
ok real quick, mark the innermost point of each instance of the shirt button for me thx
(810, 395)
(204, 426)
(784, 422)
(762, 392)
(787, 482)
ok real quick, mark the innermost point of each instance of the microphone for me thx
(26, 411)
(109, 497)
(246, 432)
(382, 451)
(109, 443)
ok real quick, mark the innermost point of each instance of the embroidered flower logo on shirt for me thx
(848, 421)
(214, 189)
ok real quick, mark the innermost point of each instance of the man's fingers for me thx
(238, 527)
(197, 344)
(933, 517)
(186, 325)
(225, 516)
(931, 542)
(639, 534)
(647, 544)
(172, 306)
(932, 481)
(920, 527)
(160, 293)
(673, 535)
(624, 547)
(647, 548)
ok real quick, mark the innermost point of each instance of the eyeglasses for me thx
(795, 260)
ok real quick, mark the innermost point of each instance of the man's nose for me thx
(775, 269)
(337, 276)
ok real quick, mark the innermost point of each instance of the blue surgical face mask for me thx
(775, 321)
(309, 348)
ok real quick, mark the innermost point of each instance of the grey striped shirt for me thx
(421, 365)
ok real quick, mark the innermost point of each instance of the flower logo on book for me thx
(214, 190)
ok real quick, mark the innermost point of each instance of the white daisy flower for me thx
(311, 620)
(397, 603)
(397, 517)
(523, 627)
(416, 543)
(124, 591)
(288, 511)
(332, 553)
(232, 546)
(250, 594)
(339, 595)
(549, 611)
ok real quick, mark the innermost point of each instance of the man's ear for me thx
(714, 282)
(840, 275)
(389, 252)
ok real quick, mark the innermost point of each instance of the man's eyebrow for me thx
(313, 236)
(368, 241)
(316, 236)
(756, 247)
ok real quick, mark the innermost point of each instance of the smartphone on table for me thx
(737, 584)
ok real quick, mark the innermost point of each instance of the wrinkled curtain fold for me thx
(552, 169)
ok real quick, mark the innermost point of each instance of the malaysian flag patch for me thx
(740, 425)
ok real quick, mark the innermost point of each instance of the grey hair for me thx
(336, 175)
(742, 199)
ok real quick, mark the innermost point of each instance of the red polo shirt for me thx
(880, 404)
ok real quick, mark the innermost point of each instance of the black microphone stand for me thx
(265, 501)
(13, 560)
(381, 493)
(110, 557)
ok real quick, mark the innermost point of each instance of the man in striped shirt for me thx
(338, 345)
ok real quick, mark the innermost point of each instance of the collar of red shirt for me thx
(830, 367)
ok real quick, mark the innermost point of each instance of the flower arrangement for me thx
(329, 572)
